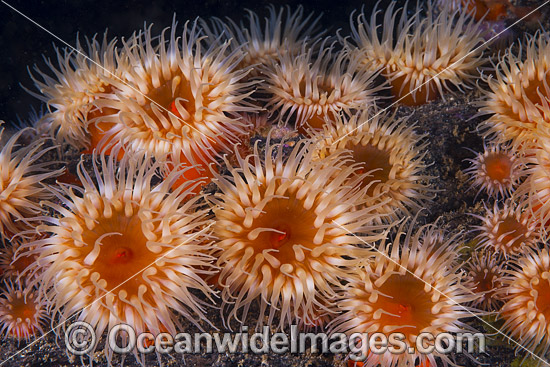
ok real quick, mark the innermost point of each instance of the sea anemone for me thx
(413, 286)
(21, 184)
(526, 292)
(421, 57)
(312, 87)
(124, 249)
(70, 92)
(509, 230)
(174, 98)
(497, 170)
(283, 221)
(485, 270)
(518, 92)
(264, 44)
(22, 311)
(388, 149)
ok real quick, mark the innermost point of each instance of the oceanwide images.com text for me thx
(80, 339)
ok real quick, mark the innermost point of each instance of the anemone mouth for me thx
(498, 167)
(117, 250)
(511, 233)
(403, 306)
(285, 232)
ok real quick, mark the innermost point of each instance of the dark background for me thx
(22, 43)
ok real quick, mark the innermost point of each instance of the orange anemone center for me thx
(123, 252)
(542, 291)
(23, 308)
(286, 223)
(511, 234)
(404, 306)
(498, 167)
(374, 161)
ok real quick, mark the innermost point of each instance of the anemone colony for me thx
(195, 191)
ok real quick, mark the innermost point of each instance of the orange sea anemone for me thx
(509, 230)
(413, 286)
(70, 91)
(174, 97)
(421, 57)
(21, 184)
(284, 33)
(22, 311)
(518, 95)
(126, 250)
(485, 270)
(314, 86)
(497, 171)
(526, 293)
(388, 149)
(284, 222)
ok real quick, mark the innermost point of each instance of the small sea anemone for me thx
(508, 231)
(264, 44)
(518, 93)
(485, 270)
(497, 170)
(312, 87)
(284, 229)
(70, 92)
(421, 57)
(526, 293)
(413, 286)
(124, 249)
(388, 149)
(22, 311)
(21, 184)
(174, 98)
